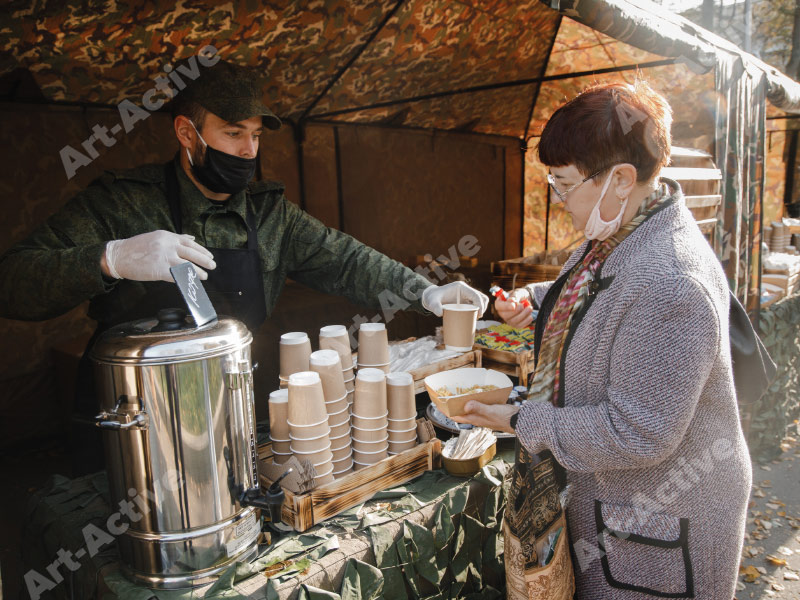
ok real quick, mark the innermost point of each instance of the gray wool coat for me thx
(649, 432)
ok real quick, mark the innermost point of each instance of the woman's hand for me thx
(514, 313)
(496, 417)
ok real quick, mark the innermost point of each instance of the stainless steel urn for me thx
(177, 410)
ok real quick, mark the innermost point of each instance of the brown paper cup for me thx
(280, 458)
(342, 471)
(328, 365)
(400, 397)
(402, 424)
(369, 423)
(342, 453)
(337, 406)
(312, 445)
(295, 349)
(369, 446)
(357, 466)
(324, 474)
(369, 399)
(398, 447)
(350, 386)
(306, 400)
(368, 435)
(370, 458)
(281, 447)
(278, 414)
(373, 344)
(317, 457)
(458, 328)
(341, 429)
(335, 337)
(308, 432)
(402, 436)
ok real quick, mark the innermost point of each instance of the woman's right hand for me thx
(512, 311)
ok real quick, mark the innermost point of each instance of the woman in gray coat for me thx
(633, 392)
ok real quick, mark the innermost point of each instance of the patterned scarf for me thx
(547, 378)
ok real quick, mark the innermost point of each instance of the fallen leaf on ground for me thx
(774, 560)
(785, 551)
(789, 576)
(759, 494)
(750, 573)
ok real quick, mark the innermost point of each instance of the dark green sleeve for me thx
(58, 266)
(336, 263)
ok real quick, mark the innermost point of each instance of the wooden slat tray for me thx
(518, 364)
(303, 511)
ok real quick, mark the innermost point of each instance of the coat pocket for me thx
(644, 552)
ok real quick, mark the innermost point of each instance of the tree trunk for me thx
(707, 14)
(793, 66)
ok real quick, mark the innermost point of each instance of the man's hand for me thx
(436, 295)
(514, 313)
(148, 257)
(496, 417)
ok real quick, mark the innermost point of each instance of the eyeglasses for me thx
(562, 196)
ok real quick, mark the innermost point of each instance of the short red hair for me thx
(610, 124)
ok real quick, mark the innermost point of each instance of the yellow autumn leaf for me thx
(774, 560)
(750, 573)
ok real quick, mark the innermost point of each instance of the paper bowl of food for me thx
(467, 453)
(451, 390)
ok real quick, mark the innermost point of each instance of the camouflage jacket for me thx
(58, 266)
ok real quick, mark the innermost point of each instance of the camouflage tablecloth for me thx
(436, 537)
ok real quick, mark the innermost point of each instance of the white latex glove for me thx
(436, 295)
(148, 256)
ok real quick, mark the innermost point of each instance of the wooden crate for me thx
(303, 511)
(518, 364)
(468, 359)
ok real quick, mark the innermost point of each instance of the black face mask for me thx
(221, 172)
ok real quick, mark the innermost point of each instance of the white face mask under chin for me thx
(596, 228)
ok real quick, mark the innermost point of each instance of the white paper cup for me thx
(458, 326)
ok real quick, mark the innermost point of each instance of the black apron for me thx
(235, 287)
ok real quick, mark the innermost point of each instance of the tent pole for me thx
(497, 86)
(340, 199)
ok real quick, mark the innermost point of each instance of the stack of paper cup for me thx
(279, 425)
(335, 337)
(370, 418)
(295, 349)
(308, 424)
(402, 412)
(373, 347)
(329, 366)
